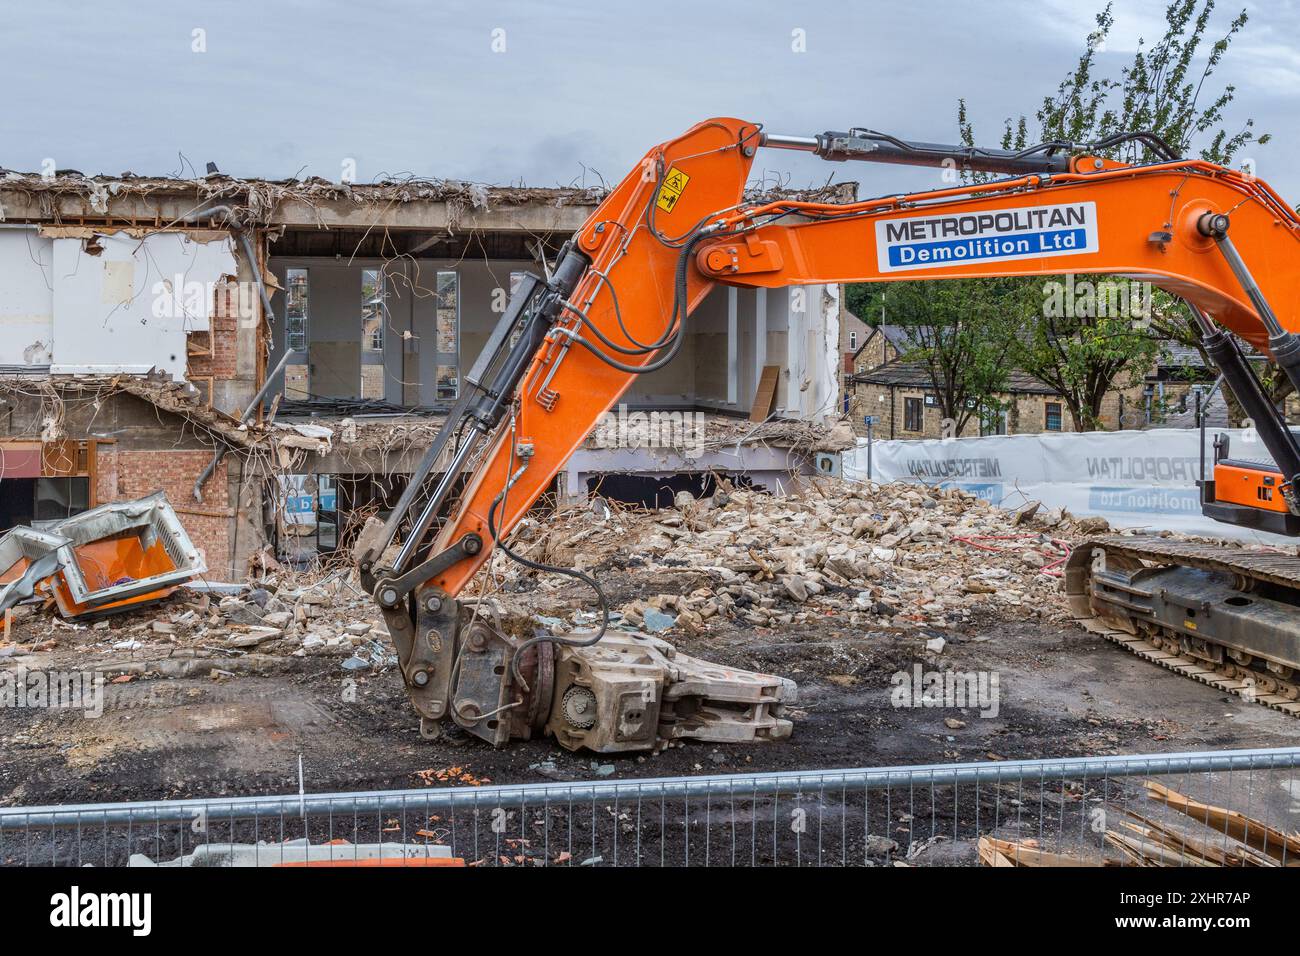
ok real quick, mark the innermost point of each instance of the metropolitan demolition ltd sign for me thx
(996, 235)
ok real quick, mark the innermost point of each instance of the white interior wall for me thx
(776, 339)
(128, 308)
(125, 308)
(334, 315)
(484, 289)
(26, 297)
(702, 374)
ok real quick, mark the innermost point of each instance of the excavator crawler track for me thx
(1226, 617)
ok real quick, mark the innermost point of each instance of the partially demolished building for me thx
(274, 356)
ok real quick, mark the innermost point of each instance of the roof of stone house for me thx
(1177, 355)
(896, 335)
(901, 337)
(917, 375)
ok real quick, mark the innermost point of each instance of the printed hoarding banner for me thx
(1134, 479)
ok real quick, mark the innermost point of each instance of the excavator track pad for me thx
(1227, 617)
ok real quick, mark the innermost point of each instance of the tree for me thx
(1170, 321)
(1082, 343)
(961, 331)
(1162, 91)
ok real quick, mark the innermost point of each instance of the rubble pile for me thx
(288, 615)
(215, 626)
(859, 555)
(899, 555)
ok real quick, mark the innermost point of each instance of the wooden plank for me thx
(990, 856)
(1025, 854)
(1147, 851)
(92, 473)
(59, 458)
(1236, 825)
(1236, 854)
(765, 397)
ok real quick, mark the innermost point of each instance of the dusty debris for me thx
(450, 775)
(1028, 852)
(1025, 512)
(897, 554)
(258, 199)
(231, 628)
(908, 559)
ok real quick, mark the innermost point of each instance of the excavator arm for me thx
(617, 303)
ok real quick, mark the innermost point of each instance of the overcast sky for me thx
(580, 91)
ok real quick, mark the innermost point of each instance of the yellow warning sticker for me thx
(671, 190)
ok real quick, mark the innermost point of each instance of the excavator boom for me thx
(617, 304)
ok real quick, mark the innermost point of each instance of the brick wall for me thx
(1165, 401)
(1027, 414)
(889, 408)
(225, 329)
(124, 475)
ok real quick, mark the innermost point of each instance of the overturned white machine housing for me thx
(109, 559)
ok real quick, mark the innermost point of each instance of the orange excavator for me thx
(617, 303)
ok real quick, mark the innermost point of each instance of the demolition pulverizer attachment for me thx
(630, 692)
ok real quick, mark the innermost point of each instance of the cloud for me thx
(589, 85)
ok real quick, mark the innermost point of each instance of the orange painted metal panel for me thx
(1249, 487)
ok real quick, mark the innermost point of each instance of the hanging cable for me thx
(676, 321)
(574, 573)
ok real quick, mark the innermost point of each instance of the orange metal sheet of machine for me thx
(1248, 485)
(109, 559)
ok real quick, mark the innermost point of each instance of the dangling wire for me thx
(601, 601)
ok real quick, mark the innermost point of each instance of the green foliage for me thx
(1163, 90)
(961, 331)
(1160, 91)
(1083, 355)
(863, 299)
